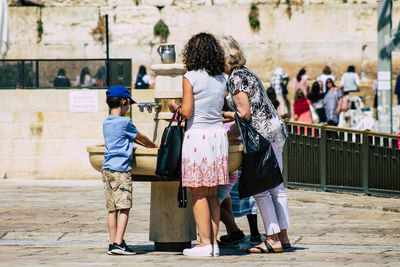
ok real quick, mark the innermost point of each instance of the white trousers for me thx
(273, 203)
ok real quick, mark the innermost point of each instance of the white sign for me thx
(384, 85)
(384, 76)
(83, 101)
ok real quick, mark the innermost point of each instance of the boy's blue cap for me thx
(119, 91)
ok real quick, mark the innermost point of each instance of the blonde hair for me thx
(234, 56)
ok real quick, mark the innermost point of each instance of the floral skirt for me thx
(205, 157)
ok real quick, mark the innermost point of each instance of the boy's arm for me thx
(143, 140)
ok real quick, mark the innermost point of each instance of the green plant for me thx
(40, 26)
(39, 30)
(161, 30)
(289, 9)
(254, 20)
(289, 6)
(99, 32)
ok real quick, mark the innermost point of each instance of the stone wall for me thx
(315, 35)
(41, 138)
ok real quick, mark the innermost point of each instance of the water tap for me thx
(149, 106)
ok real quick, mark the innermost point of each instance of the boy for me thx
(118, 133)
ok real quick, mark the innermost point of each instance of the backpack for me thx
(140, 83)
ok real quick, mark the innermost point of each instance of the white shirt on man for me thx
(350, 81)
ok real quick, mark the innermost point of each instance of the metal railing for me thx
(338, 158)
(42, 73)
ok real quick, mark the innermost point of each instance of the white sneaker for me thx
(203, 251)
(215, 251)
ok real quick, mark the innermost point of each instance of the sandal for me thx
(268, 250)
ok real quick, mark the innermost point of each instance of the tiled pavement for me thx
(63, 223)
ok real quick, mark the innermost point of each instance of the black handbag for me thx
(170, 151)
(170, 154)
(260, 169)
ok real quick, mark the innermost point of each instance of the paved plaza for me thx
(63, 223)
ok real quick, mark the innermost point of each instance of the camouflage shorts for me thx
(118, 189)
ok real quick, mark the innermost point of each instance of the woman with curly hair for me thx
(252, 104)
(205, 145)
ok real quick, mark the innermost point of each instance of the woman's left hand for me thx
(172, 105)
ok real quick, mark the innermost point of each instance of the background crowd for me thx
(321, 102)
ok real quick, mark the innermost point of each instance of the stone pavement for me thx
(63, 223)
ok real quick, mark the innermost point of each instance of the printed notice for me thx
(83, 101)
(384, 76)
(383, 85)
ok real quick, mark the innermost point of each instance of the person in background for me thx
(85, 79)
(320, 86)
(279, 82)
(326, 74)
(350, 80)
(331, 99)
(317, 99)
(235, 235)
(343, 108)
(300, 81)
(231, 205)
(61, 80)
(375, 89)
(143, 80)
(301, 107)
(100, 76)
(272, 96)
(397, 89)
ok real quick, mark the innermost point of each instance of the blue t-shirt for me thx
(118, 135)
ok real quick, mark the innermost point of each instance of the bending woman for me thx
(253, 105)
(205, 145)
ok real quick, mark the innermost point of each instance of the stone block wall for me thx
(317, 33)
(41, 138)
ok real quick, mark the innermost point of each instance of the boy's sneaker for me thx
(109, 249)
(121, 249)
(232, 238)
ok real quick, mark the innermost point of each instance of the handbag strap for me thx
(250, 135)
(176, 112)
(246, 124)
(182, 196)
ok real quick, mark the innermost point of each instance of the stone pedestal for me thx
(171, 228)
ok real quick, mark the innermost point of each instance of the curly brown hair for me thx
(203, 52)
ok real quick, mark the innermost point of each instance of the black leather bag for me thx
(169, 156)
(260, 169)
(170, 152)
